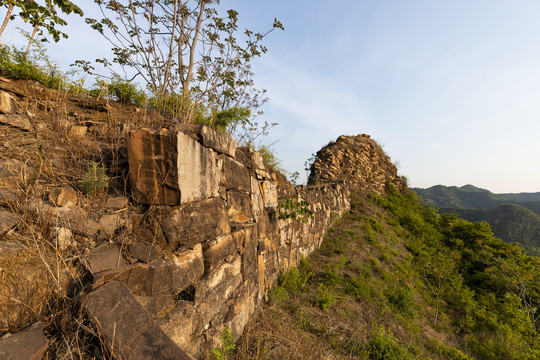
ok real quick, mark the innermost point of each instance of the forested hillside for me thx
(512, 217)
(396, 280)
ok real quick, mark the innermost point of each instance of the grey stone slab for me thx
(126, 328)
(109, 223)
(6, 103)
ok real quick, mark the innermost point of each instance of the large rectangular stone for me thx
(196, 222)
(214, 293)
(239, 207)
(209, 137)
(216, 251)
(126, 328)
(170, 168)
(198, 175)
(161, 277)
(235, 175)
(152, 157)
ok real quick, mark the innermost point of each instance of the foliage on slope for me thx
(512, 217)
(395, 280)
(509, 222)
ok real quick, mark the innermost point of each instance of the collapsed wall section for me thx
(357, 159)
(219, 208)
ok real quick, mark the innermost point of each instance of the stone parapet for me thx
(219, 209)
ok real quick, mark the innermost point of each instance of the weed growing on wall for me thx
(292, 208)
(227, 346)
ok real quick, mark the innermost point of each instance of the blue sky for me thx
(451, 89)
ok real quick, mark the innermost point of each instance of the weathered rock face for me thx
(359, 160)
(152, 165)
(175, 167)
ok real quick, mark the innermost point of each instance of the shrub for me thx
(277, 295)
(119, 90)
(291, 208)
(294, 280)
(357, 287)
(95, 179)
(15, 64)
(227, 346)
(325, 298)
(269, 158)
(401, 299)
(447, 352)
(383, 346)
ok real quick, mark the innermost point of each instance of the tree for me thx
(182, 47)
(438, 269)
(40, 16)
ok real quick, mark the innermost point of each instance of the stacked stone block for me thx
(219, 215)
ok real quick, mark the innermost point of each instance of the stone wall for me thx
(219, 218)
(357, 159)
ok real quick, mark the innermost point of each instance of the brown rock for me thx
(143, 251)
(6, 106)
(261, 278)
(249, 255)
(239, 207)
(126, 328)
(269, 194)
(78, 131)
(63, 196)
(196, 222)
(256, 197)
(25, 345)
(181, 325)
(74, 218)
(104, 258)
(216, 251)
(13, 171)
(169, 168)
(10, 247)
(109, 223)
(116, 203)
(198, 175)
(161, 277)
(359, 160)
(17, 121)
(153, 166)
(8, 220)
(236, 176)
(64, 238)
(7, 196)
(209, 137)
(216, 291)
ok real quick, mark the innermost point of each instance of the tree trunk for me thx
(6, 19)
(31, 39)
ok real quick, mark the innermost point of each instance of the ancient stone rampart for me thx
(357, 159)
(219, 212)
(160, 265)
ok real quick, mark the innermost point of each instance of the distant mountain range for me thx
(513, 217)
